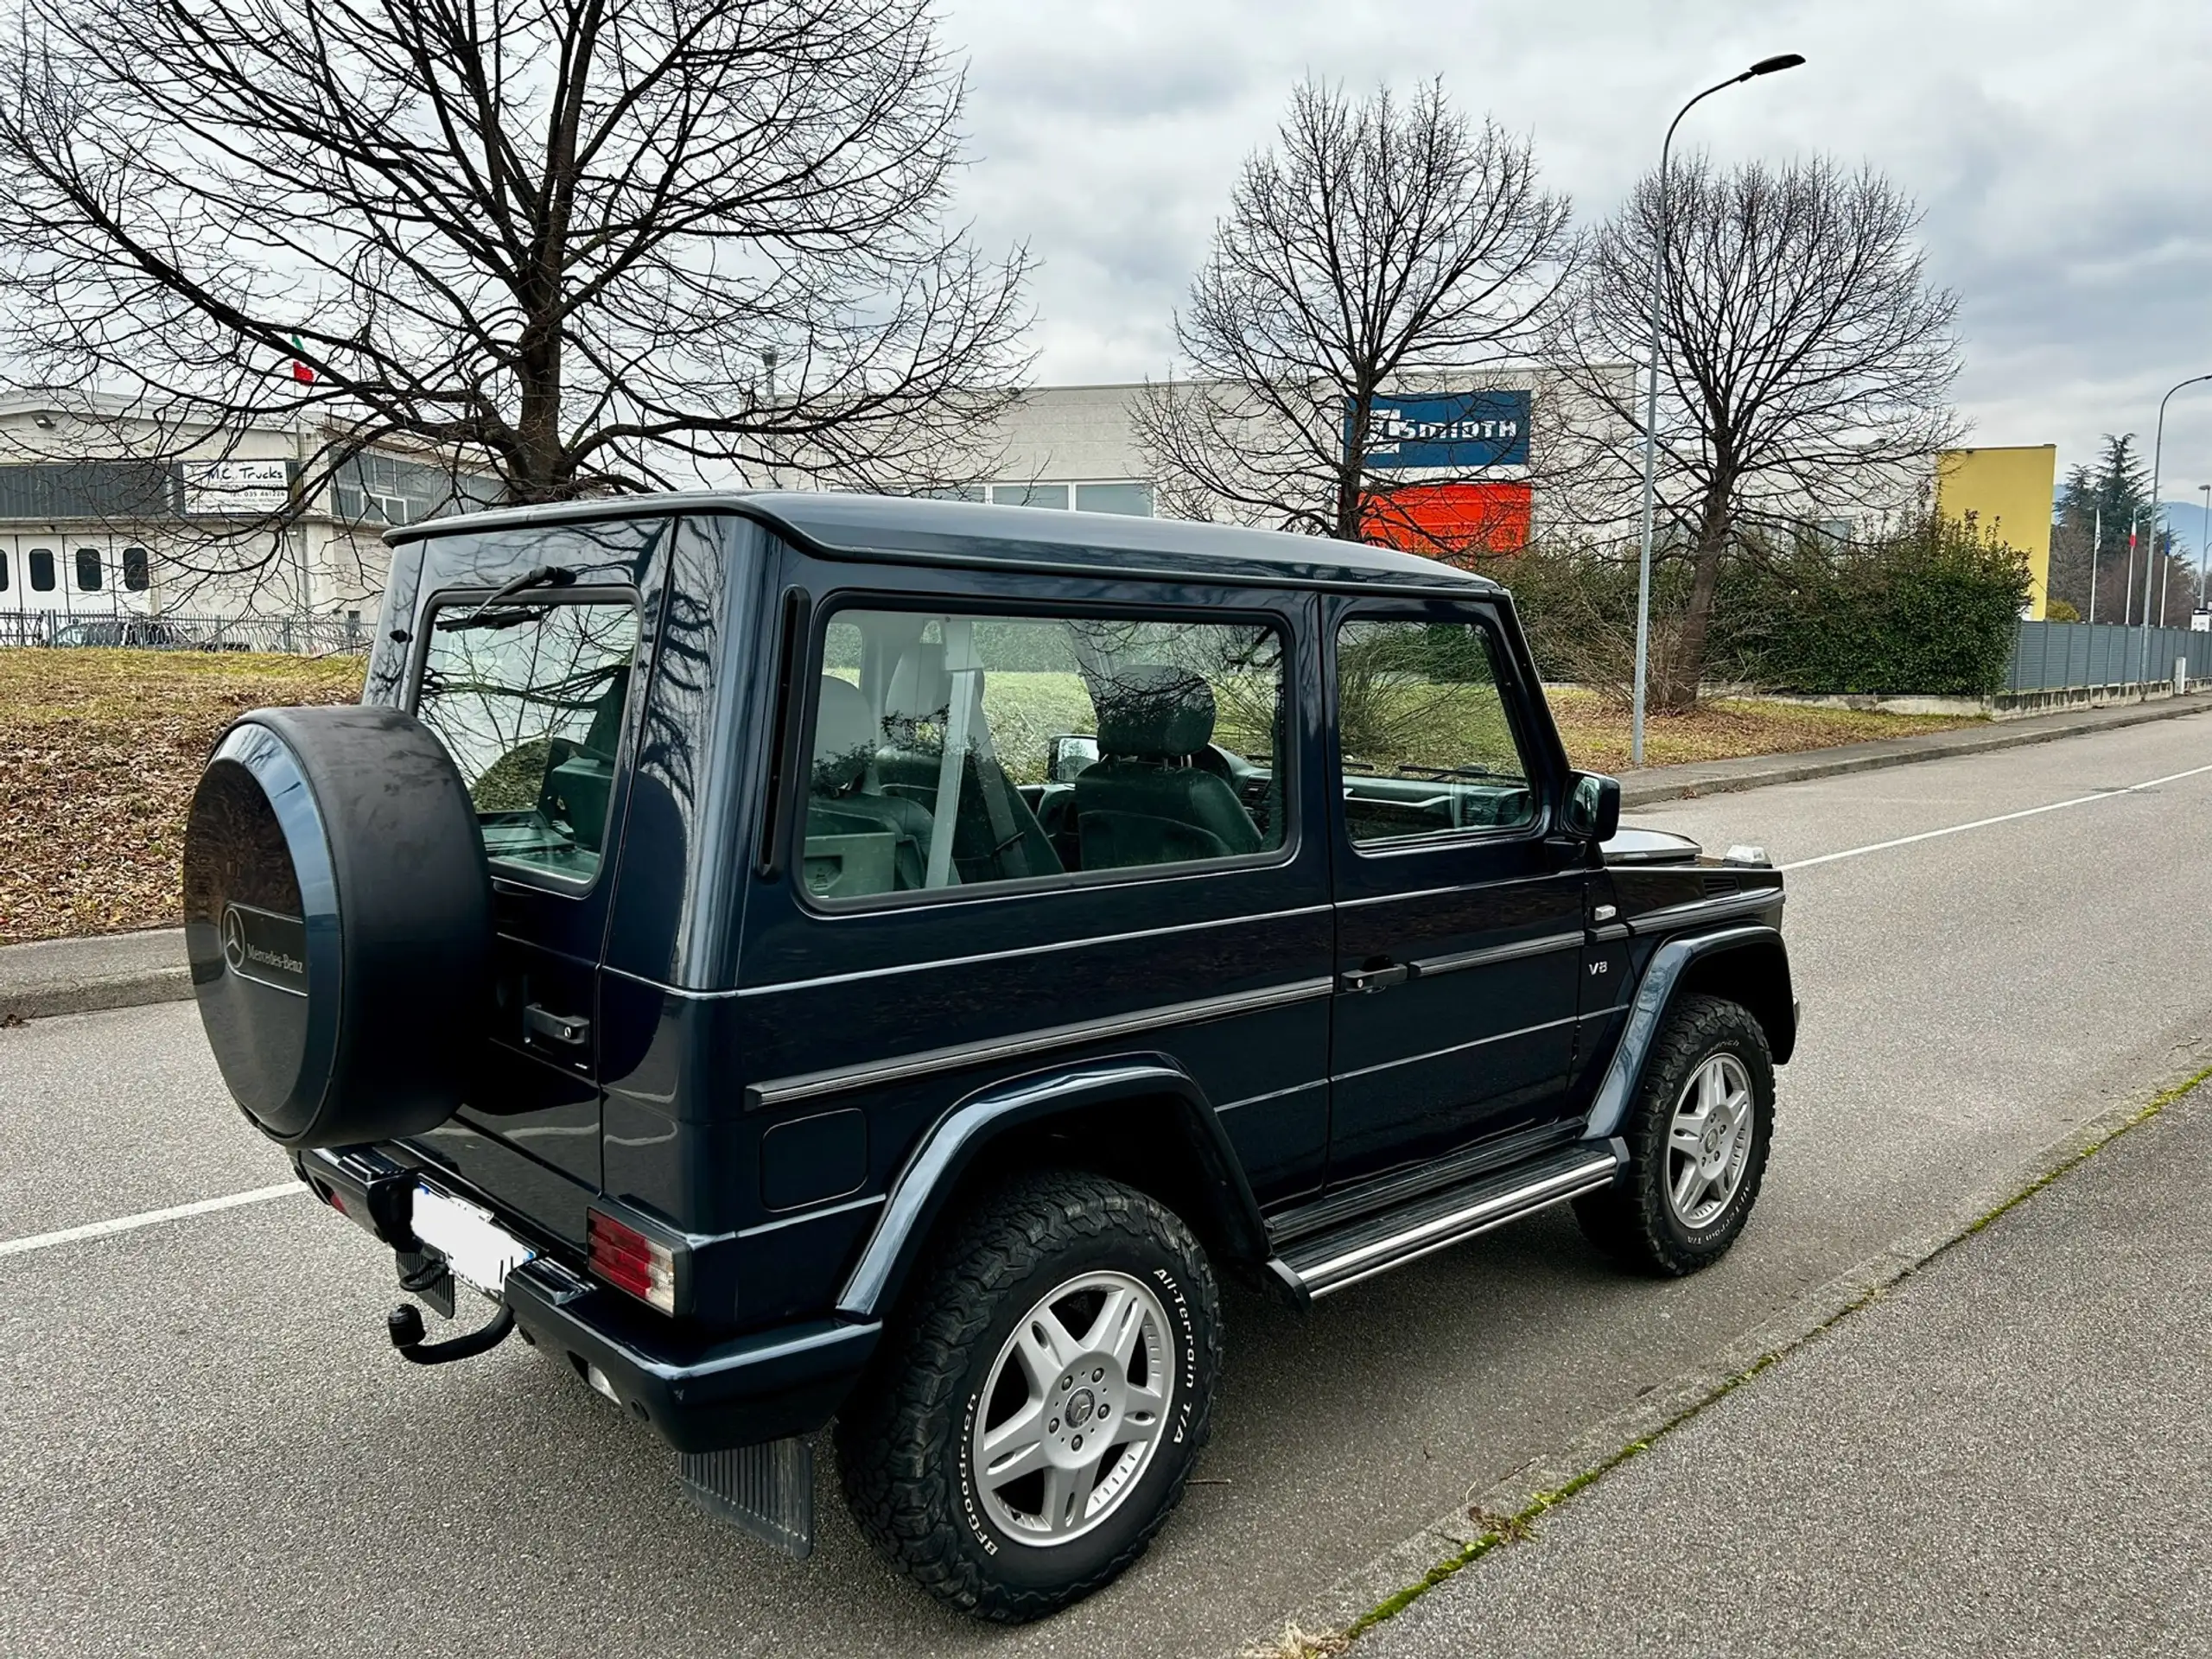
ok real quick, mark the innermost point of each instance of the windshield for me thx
(528, 695)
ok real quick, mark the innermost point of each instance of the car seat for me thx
(837, 793)
(1143, 801)
(996, 838)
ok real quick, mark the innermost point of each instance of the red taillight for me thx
(629, 1261)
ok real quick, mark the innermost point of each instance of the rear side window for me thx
(530, 700)
(954, 750)
(1427, 744)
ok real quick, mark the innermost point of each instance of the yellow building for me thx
(2006, 494)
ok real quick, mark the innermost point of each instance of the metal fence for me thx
(307, 636)
(2061, 656)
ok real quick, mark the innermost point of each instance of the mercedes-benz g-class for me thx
(799, 958)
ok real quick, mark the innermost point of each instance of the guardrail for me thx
(304, 636)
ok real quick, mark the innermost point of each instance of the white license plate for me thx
(479, 1251)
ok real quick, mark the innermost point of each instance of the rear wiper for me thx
(546, 575)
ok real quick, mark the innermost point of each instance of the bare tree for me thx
(582, 245)
(1376, 245)
(1805, 360)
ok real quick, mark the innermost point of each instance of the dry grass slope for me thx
(100, 751)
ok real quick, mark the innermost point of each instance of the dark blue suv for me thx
(797, 958)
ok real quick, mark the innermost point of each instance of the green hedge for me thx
(1934, 612)
(1930, 611)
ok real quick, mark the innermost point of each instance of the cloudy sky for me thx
(2063, 154)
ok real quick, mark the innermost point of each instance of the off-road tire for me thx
(1632, 1220)
(902, 1438)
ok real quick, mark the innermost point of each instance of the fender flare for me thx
(1654, 994)
(949, 1149)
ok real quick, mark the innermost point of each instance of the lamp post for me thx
(1764, 67)
(2203, 541)
(2158, 447)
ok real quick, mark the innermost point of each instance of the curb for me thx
(88, 976)
(1381, 1588)
(1727, 777)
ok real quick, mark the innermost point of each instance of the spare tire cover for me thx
(338, 917)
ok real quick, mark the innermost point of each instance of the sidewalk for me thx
(1753, 772)
(2011, 1454)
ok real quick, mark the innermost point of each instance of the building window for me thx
(1134, 499)
(955, 492)
(42, 560)
(88, 569)
(1030, 495)
(137, 576)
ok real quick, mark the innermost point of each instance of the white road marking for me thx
(130, 1223)
(2002, 817)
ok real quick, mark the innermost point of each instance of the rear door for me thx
(535, 694)
(1458, 926)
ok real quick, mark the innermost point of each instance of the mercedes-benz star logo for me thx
(234, 940)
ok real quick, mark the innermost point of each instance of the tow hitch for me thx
(404, 1323)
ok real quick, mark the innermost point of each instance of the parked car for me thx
(126, 632)
(806, 957)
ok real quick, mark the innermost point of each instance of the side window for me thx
(953, 750)
(4, 570)
(1427, 745)
(88, 569)
(135, 575)
(41, 560)
(529, 699)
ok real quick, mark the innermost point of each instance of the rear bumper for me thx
(703, 1394)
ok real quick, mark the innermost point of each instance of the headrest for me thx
(844, 742)
(1154, 712)
(920, 689)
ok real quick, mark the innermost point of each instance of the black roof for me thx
(1032, 538)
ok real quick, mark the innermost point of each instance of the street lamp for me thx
(1764, 67)
(2158, 447)
(2203, 541)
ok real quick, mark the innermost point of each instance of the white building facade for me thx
(106, 513)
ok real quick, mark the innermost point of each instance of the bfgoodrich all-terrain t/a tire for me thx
(1039, 1400)
(1697, 1137)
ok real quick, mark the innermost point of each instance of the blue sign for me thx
(1462, 431)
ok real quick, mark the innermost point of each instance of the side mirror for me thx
(1067, 755)
(1594, 806)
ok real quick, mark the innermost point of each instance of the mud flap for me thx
(767, 1490)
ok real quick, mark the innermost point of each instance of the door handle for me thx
(538, 1022)
(1375, 979)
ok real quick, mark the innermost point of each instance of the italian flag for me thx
(301, 372)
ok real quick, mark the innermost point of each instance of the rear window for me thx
(530, 700)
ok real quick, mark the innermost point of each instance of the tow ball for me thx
(405, 1324)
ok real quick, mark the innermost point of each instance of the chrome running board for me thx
(1313, 1267)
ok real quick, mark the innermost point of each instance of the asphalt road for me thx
(2011, 1454)
(207, 1446)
